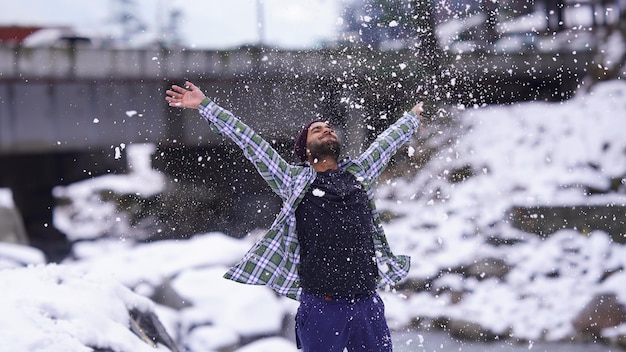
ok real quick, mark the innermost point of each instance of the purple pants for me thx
(331, 324)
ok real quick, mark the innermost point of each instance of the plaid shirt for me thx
(273, 260)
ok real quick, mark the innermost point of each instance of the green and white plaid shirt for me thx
(273, 260)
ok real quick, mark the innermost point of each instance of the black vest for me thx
(335, 227)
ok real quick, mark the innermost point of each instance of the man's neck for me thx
(323, 164)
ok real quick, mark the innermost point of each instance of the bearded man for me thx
(326, 248)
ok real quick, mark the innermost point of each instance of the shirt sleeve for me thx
(374, 160)
(270, 165)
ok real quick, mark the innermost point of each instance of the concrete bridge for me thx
(63, 111)
(77, 99)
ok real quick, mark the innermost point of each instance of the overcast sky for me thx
(204, 24)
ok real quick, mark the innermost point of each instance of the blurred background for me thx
(78, 80)
(83, 83)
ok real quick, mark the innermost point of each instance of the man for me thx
(326, 248)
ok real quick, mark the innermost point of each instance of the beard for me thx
(325, 149)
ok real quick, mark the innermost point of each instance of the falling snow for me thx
(530, 154)
(318, 192)
(434, 230)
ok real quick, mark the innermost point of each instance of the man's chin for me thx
(330, 148)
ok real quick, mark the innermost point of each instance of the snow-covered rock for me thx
(60, 308)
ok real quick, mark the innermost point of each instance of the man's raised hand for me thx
(418, 109)
(188, 97)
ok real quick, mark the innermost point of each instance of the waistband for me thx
(349, 298)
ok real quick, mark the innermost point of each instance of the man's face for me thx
(322, 141)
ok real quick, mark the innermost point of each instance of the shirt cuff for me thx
(205, 103)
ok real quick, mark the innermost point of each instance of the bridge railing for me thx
(83, 97)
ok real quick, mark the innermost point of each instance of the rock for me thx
(11, 226)
(488, 267)
(546, 220)
(470, 331)
(166, 295)
(601, 312)
(415, 285)
(148, 327)
(621, 341)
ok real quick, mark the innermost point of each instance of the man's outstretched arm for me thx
(374, 160)
(268, 162)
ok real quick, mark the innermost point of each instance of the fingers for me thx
(179, 89)
(176, 93)
(173, 101)
(173, 98)
(191, 86)
(418, 109)
(173, 94)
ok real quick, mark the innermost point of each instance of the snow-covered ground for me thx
(534, 153)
